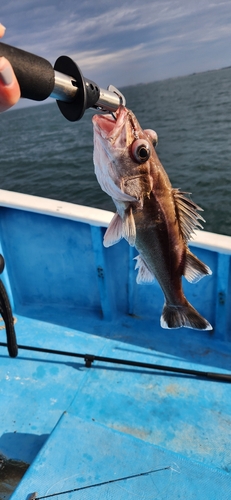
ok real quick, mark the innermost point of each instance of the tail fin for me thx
(185, 315)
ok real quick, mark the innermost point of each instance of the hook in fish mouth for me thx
(113, 115)
(110, 125)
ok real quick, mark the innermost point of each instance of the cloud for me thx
(140, 40)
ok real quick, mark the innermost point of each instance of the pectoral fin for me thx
(114, 231)
(144, 276)
(121, 228)
(129, 227)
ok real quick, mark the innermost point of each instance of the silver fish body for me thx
(152, 216)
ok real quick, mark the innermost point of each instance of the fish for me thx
(150, 214)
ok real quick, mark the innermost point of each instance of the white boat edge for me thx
(97, 217)
(56, 208)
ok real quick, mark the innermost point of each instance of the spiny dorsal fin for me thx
(186, 211)
(144, 276)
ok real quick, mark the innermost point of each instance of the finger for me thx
(2, 30)
(9, 87)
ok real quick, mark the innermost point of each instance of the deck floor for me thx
(170, 418)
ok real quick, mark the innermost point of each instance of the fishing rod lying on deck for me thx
(74, 93)
(90, 358)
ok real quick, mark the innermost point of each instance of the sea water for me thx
(45, 155)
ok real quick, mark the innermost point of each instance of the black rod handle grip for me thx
(74, 93)
(35, 74)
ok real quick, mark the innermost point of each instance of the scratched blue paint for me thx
(222, 303)
(119, 467)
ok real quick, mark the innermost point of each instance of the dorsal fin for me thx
(194, 268)
(187, 214)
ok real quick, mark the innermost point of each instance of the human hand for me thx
(9, 87)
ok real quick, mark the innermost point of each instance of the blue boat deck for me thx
(161, 421)
(109, 431)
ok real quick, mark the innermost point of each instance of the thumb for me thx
(9, 87)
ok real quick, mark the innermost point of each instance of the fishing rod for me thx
(73, 92)
(90, 358)
(34, 496)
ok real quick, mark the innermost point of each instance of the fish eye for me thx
(141, 150)
(152, 136)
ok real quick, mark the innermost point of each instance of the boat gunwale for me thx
(97, 217)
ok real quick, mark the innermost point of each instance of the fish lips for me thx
(110, 128)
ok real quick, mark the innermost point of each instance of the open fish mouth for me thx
(106, 123)
(109, 125)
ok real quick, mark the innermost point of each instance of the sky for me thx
(124, 42)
